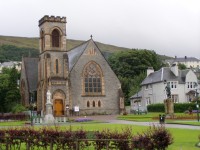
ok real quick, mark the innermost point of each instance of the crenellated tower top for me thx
(47, 18)
(52, 33)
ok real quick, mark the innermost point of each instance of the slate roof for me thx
(165, 73)
(75, 53)
(31, 70)
(137, 95)
(182, 59)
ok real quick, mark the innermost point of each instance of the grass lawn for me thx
(184, 139)
(150, 117)
(12, 123)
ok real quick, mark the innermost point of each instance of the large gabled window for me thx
(92, 79)
(55, 38)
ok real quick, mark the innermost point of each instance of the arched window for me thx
(92, 77)
(55, 38)
(99, 103)
(88, 104)
(56, 66)
(93, 103)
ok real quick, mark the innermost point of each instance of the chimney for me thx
(150, 70)
(174, 69)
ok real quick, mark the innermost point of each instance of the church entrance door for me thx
(58, 107)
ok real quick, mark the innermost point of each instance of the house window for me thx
(147, 86)
(173, 84)
(92, 76)
(148, 100)
(174, 97)
(55, 38)
(190, 85)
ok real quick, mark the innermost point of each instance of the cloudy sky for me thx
(169, 27)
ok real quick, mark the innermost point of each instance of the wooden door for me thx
(58, 107)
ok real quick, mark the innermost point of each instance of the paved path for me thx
(113, 119)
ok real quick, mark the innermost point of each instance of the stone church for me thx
(80, 80)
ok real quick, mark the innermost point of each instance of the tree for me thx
(181, 66)
(130, 67)
(9, 91)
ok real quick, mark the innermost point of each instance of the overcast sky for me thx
(169, 27)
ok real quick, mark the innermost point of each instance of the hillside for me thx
(32, 44)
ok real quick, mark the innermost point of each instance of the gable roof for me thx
(165, 73)
(75, 53)
(31, 71)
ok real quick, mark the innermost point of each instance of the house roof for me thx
(182, 59)
(137, 95)
(31, 71)
(165, 73)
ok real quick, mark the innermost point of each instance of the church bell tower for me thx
(53, 64)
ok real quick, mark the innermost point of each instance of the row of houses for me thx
(10, 64)
(184, 87)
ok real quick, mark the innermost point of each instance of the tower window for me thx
(93, 103)
(55, 38)
(57, 66)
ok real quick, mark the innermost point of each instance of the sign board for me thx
(76, 108)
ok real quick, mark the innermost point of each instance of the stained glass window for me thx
(92, 79)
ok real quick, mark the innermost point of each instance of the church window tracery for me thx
(92, 76)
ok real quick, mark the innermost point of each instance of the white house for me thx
(184, 85)
(10, 64)
(189, 62)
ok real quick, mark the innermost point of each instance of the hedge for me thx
(178, 107)
(156, 137)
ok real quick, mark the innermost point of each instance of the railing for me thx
(40, 120)
(24, 143)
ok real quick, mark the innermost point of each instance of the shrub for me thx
(47, 138)
(156, 108)
(178, 107)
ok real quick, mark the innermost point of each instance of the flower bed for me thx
(83, 119)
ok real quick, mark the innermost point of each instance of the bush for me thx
(18, 108)
(156, 108)
(178, 107)
(182, 107)
(47, 138)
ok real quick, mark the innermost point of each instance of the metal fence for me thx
(23, 143)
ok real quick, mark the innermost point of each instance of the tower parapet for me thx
(47, 18)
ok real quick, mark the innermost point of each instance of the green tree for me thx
(130, 67)
(9, 91)
(181, 66)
